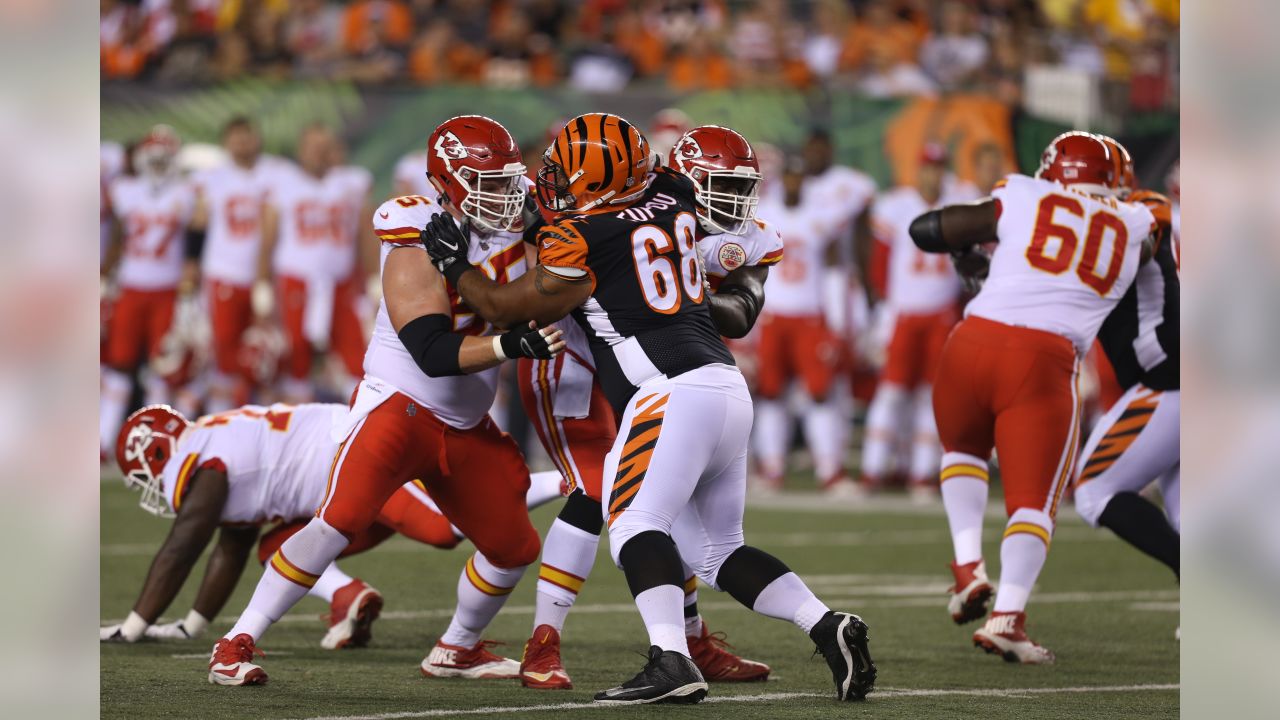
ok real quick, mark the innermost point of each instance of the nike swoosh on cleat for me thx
(227, 673)
(619, 690)
(539, 676)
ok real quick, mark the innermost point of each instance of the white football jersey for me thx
(460, 401)
(919, 282)
(316, 227)
(1063, 260)
(276, 459)
(796, 288)
(234, 198)
(723, 253)
(154, 218)
(843, 193)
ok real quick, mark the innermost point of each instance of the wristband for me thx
(194, 624)
(133, 627)
(497, 348)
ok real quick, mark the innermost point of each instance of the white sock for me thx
(568, 554)
(825, 432)
(483, 588)
(289, 575)
(331, 581)
(1022, 555)
(771, 437)
(116, 387)
(788, 598)
(925, 449)
(964, 495)
(543, 488)
(882, 423)
(660, 608)
(692, 620)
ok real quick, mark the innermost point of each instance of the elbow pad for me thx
(926, 232)
(194, 245)
(749, 303)
(432, 343)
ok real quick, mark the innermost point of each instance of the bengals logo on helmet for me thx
(732, 256)
(449, 147)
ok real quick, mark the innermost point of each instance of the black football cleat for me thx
(842, 640)
(669, 677)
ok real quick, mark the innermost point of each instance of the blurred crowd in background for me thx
(878, 48)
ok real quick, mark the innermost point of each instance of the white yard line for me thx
(858, 599)
(878, 695)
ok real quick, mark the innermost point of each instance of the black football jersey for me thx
(647, 315)
(1140, 336)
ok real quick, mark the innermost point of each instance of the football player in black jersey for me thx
(1137, 441)
(622, 258)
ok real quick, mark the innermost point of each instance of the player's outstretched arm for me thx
(956, 227)
(736, 305)
(419, 309)
(197, 518)
(542, 296)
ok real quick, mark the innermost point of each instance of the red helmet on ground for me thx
(1081, 160)
(475, 163)
(1126, 180)
(725, 173)
(147, 441)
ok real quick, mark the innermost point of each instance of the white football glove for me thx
(133, 628)
(189, 628)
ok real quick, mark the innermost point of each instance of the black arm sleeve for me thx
(433, 344)
(193, 247)
(926, 232)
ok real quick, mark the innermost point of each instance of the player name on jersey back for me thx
(647, 316)
(460, 401)
(1063, 260)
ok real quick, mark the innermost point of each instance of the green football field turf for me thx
(1108, 612)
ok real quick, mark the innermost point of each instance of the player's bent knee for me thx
(1091, 500)
(1030, 521)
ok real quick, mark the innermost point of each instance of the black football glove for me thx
(532, 342)
(447, 244)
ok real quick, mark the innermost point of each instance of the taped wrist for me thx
(194, 624)
(133, 626)
(926, 232)
(432, 343)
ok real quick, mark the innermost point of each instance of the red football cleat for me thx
(351, 614)
(711, 655)
(971, 592)
(1005, 635)
(232, 662)
(541, 667)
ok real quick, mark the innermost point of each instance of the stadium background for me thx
(883, 77)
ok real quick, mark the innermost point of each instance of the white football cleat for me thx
(970, 593)
(1004, 635)
(351, 614)
(475, 663)
(232, 662)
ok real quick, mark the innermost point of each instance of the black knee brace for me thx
(650, 559)
(747, 572)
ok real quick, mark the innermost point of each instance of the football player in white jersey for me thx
(922, 303)
(421, 412)
(798, 341)
(1066, 252)
(313, 244)
(410, 176)
(236, 472)
(228, 221)
(147, 262)
(572, 417)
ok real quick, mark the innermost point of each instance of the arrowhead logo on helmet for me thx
(449, 147)
(690, 149)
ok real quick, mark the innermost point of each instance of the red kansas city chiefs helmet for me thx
(475, 163)
(725, 173)
(146, 443)
(1081, 160)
